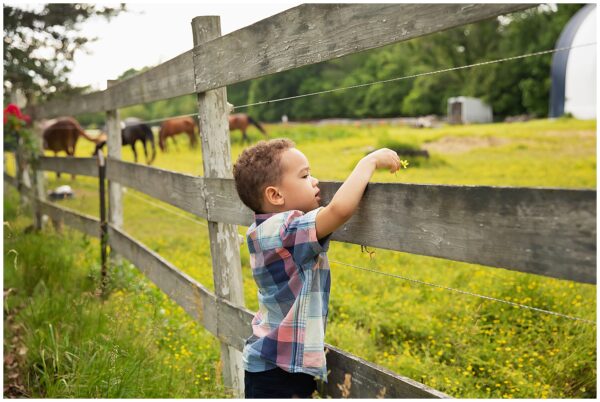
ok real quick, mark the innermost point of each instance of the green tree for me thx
(40, 43)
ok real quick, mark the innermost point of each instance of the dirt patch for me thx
(458, 145)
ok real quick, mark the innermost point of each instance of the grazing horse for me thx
(132, 131)
(177, 125)
(61, 134)
(241, 121)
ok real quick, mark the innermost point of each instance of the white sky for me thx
(149, 34)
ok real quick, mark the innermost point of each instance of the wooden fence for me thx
(543, 231)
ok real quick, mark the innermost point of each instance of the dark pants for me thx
(278, 383)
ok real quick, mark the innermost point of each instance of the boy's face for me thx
(298, 189)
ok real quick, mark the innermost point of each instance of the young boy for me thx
(288, 243)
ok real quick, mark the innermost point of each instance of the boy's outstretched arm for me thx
(346, 199)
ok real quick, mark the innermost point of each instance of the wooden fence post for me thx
(224, 242)
(115, 191)
(38, 191)
(103, 223)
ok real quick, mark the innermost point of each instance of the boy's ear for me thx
(273, 196)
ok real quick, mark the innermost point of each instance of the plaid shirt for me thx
(289, 265)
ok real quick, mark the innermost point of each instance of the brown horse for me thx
(61, 134)
(177, 125)
(241, 121)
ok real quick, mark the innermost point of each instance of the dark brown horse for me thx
(61, 134)
(132, 131)
(177, 125)
(241, 121)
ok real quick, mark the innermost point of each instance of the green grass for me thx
(134, 344)
(461, 345)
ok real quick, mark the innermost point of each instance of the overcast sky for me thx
(149, 34)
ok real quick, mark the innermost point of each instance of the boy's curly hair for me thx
(257, 168)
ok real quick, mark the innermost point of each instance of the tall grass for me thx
(134, 344)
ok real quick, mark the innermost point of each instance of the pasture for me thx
(464, 346)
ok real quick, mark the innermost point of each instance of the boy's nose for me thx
(315, 181)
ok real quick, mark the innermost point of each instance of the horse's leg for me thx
(193, 140)
(71, 152)
(162, 140)
(244, 136)
(134, 153)
(57, 173)
(145, 152)
(175, 143)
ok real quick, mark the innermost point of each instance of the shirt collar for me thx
(260, 218)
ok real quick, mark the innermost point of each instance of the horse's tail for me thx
(82, 133)
(257, 124)
(150, 137)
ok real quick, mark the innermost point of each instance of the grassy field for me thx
(464, 346)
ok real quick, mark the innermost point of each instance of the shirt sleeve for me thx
(299, 236)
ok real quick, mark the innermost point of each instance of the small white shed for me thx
(465, 110)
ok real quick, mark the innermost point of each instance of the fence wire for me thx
(523, 56)
(518, 305)
(522, 306)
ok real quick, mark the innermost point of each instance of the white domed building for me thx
(574, 71)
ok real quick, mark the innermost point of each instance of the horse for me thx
(61, 134)
(132, 131)
(177, 125)
(241, 121)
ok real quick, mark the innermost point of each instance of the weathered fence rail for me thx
(76, 166)
(550, 232)
(543, 231)
(180, 190)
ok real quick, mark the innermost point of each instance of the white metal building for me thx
(465, 110)
(574, 71)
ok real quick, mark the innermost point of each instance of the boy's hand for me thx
(385, 158)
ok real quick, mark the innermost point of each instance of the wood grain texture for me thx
(69, 164)
(549, 232)
(178, 189)
(81, 222)
(313, 33)
(172, 78)
(114, 144)
(223, 203)
(369, 380)
(89, 103)
(167, 80)
(213, 122)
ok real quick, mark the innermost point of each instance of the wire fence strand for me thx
(366, 84)
(415, 75)
(522, 306)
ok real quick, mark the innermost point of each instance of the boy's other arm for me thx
(346, 199)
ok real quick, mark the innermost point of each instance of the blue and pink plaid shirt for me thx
(290, 267)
